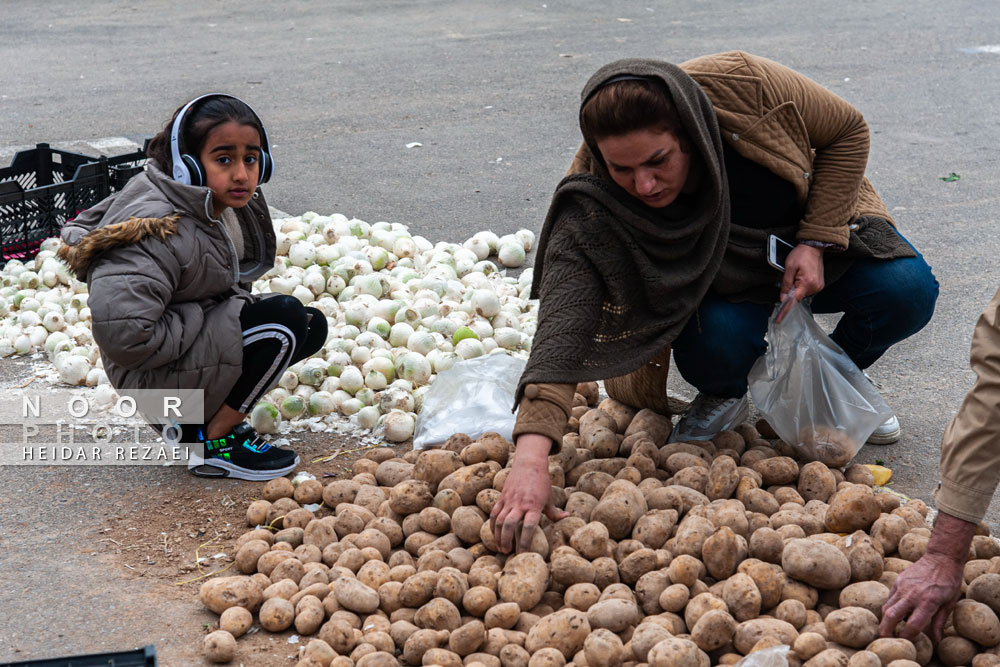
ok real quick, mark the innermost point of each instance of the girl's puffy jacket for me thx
(166, 286)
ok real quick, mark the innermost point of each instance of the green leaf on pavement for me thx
(950, 178)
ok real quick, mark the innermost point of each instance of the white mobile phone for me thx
(777, 251)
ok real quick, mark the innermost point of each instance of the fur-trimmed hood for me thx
(80, 255)
(149, 204)
(153, 205)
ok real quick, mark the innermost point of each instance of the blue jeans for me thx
(883, 301)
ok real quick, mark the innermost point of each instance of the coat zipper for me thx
(225, 235)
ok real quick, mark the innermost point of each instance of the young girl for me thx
(169, 261)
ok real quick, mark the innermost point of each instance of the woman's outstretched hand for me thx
(803, 274)
(526, 495)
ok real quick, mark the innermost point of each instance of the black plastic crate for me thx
(44, 187)
(141, 657)
(123, 167)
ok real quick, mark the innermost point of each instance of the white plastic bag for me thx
(811, 393)
(775, 656)
(473, 397)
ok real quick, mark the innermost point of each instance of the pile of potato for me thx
(685, 554)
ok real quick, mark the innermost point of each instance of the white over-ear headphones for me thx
(188, 168)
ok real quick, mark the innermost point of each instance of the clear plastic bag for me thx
(473, 397)
(811, 393)
(775, 656)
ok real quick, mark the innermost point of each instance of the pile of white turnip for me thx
(682, 555)
(400, 309)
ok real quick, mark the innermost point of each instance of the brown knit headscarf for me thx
(618, 280)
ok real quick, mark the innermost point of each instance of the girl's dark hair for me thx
(199, 120)
(626, 106)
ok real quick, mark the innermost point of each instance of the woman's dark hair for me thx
(626, 106)
(199, 120)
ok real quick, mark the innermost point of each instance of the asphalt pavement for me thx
(490, 92)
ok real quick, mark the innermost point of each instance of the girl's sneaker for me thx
(242, 454)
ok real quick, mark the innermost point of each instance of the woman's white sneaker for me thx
(887, 432)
